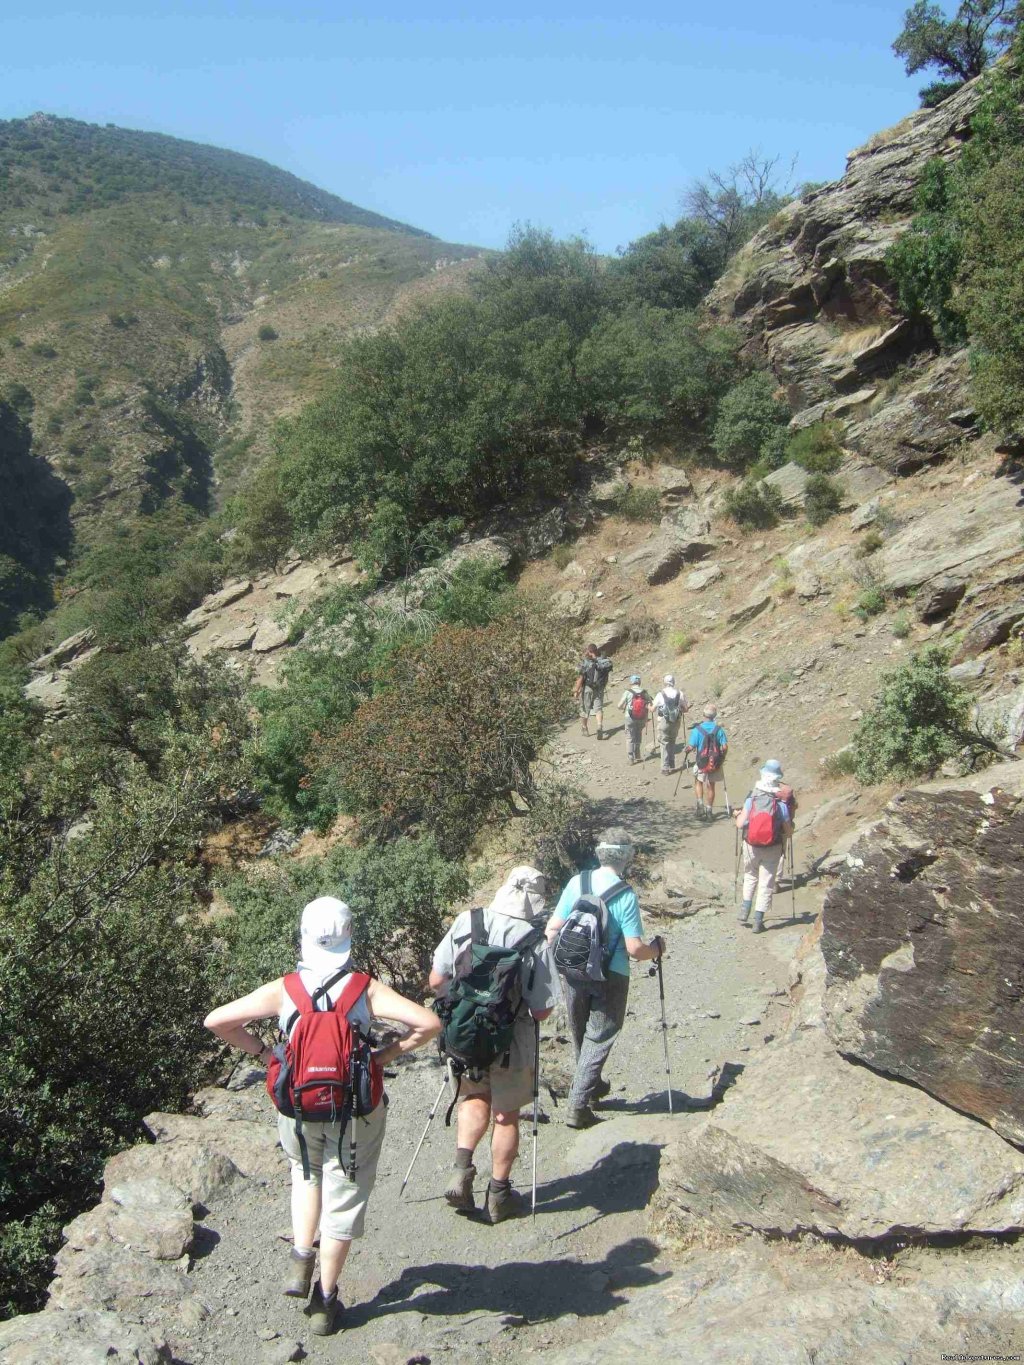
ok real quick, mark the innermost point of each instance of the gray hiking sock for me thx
(463, 1158)
(498, 1185)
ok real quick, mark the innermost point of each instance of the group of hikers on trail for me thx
(667, 712)
(498, 972)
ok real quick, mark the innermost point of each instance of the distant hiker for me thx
(591, 679)
(710, 746)
(635, 703)
(595, 929)
(670, 705)
(327, 1082)
(494, 975)
(766, 822)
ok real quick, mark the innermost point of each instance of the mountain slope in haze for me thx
(162, 301)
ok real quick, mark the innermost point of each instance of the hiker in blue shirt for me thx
(710, 746)
(597, 1009)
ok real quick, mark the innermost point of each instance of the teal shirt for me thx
(623, 913)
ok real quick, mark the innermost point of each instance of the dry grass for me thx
(855, 339)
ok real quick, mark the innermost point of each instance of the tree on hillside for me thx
(959, 48)
(731, 205)
(448, 741)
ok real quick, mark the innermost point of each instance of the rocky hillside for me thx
(161, 301)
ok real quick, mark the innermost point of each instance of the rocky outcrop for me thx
(79, 1337)
(918, 424)
(923, 940)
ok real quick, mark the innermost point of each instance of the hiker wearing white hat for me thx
(333, 1135)
(514, 920)
(670, 706)
(766, 822)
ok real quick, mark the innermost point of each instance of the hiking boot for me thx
(666, 772)
(584, 1117)
(758, 926)
(459, 1193)
(600, 733)
(504, 1202)
(744, 914)
(323, 1311)
(299, 1276)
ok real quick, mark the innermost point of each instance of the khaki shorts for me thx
(591, 700)
(504, 1087)
(343, 1212)
(713, 778)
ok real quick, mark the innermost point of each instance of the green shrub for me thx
(562, 556)
(842, 763)
(817, 448)
(869, 544)
(870, 603)
(901, 625)
(267, 333)
(43, 349)
(751, 423)
(753, 504)
(560, 831)
(916, 721)
(682, 641)
(401, 896)
(823, 498)
(637, 504)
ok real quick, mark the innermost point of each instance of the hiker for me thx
(595, 929)
(635, 703)
(766, 822)
(591, 679)
(325, 1010)
(710, 745)
(500, 1088)
(670, 705)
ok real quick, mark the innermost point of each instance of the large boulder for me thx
(993, 627)
(145, 1212)
(923, 941)
(807, 1141)
(79, 1337)
(916, 426)
(249, 1145)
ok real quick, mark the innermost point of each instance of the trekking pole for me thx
(423, 1136)
(728, 808)
(792, 879)
(682, 769)
(536, 1106)
(664, 1025)
(736, 872)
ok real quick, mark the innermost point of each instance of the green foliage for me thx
(751, 423)
(636, 504)
(35, 527)
(560, 830)
(100, 893)
(673, 267)
(901, 625)
(754, 504)
(842, 763)
(649, 369)
(924, 262)
(448, 740)
(817, 448)
(870, 603)
(870, 544)
(823, 497)
(959, 48)
(267, 333)
(400, 893)
(916, 721)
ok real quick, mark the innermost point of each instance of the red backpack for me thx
(764, 824)
(638, 706)
(710, 754)
(324, 1071)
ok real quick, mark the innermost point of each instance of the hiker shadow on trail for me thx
(536, 1290)
(654, 822)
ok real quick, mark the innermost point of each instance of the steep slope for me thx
(136, 274)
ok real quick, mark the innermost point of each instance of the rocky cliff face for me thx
(814, 296)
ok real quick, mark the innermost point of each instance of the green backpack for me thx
(478, 1015)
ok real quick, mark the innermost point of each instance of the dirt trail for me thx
(425, 1280)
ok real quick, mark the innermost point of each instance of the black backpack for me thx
(596, 671)
(478, 1015)
(582, 950)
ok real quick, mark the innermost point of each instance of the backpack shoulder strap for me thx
(300, 997)
(353, 988)
(615, 889)
(477, 932)
(586, 882)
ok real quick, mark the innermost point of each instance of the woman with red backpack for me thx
(326, 1081)
(766, 822)
(635, 703)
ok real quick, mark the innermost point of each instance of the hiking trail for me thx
(426, 1281)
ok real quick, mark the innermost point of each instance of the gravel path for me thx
(425, 1281)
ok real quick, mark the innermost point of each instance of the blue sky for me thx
(580, 118)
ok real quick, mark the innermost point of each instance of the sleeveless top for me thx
(360, 1013)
